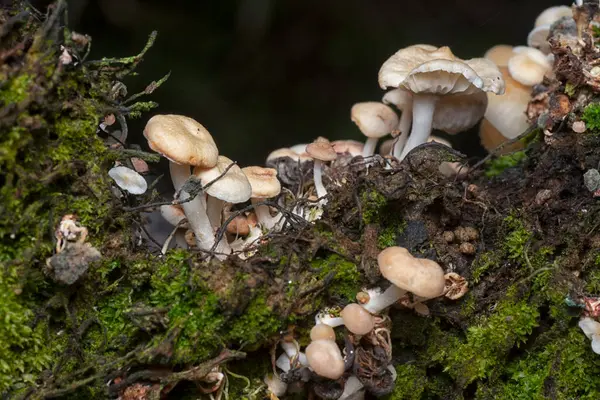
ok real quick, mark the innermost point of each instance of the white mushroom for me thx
(128, 180)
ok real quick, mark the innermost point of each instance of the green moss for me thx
(373, 204)
(256, 324)
(17, 89)
(517, 239)
(487, 342)
(498, 165)
(346, 278)
(483, 263)
(410, 383)
(591, 117)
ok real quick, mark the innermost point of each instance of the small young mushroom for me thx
(322, 151)
(128, 180)
(591, 329)
(538, 37)
(322, 332)
(264, 185)
(351, 147)
(357, 320)
(420, 276)
(325, 359)
(433, 74)
(375, 120)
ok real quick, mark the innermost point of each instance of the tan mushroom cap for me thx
(492, 138)
(325, 358)
(239, 226)
(499, 54)
(528, 66)
(264, 182)
(182, 140)
(173, 214)
(321, 149)
(423, 70)
(353, 147)
(506, 113)
(420, 276)
(357, 320)
(322, 332)
(552, 14)
(374, 119)
(281, 153)
(233, 187)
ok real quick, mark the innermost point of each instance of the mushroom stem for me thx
(369, 148)
(263, 214)
(214, 206)
(318, 178)
(404, 128)
(380, 301)
(195, 209)
(422, 121)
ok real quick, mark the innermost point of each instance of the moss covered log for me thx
(161, 323)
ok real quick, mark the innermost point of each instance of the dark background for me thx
(263, 74)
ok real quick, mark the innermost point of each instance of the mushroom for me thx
(591, 329)
(322, 151)
(229, 184)
(402, 99)
(431, 75)
(185, 142)
(174, 215)
(538, 37)
(375, 120)
(357, 320)
(420, 276)
(351, 147)
(456, 286)
(351, 388)
(528, 65)
(499, 54)
(325, 359)
(322, 332)
(264, 185)
(374, 301)
(128, 180)
(505, 116)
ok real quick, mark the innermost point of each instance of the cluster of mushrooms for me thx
(364, 365)
(432, 89)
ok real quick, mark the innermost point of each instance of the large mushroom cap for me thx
(182, 140)
(321, 149)
(457, 113)
(420, 276)
(438, 71)
(263, 181)
(231, 186)
(374, 119)
(325, 358)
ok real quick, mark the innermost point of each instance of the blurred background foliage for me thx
(264, 74)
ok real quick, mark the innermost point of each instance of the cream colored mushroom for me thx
(325, 359)
(375, 120)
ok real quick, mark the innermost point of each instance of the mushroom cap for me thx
(425, 70)
(538, 38)
(263, 181)
(506, 113)
(457, 113)
(239, 226)
(322, 332)
(281, 153)
(233, 187)
(129, 180)
(499, 54)
(325, 358)
(321, 149)
(357, 320)
(420, 276)
(552, 14)
(353, 147)
(401, 98)
(182, 140)
(374, 119)
(173, 214)
(299, 148)
(589, 327)
(528, 66)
